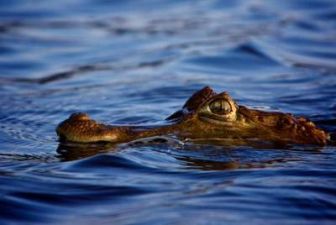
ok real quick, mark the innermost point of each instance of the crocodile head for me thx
(205, 116)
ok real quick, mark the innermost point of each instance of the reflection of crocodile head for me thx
(205, 116)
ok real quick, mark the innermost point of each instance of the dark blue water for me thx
(137, 62)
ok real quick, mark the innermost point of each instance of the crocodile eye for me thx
(220, 106)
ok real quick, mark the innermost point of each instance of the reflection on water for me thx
(76, 151)
(136, 62)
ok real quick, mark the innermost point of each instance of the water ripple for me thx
(137, 62)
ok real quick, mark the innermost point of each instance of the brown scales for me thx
(196, 120)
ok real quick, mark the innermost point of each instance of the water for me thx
(137, 62)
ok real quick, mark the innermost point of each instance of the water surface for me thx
(137, 62)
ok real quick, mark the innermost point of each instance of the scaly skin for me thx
(205, 116)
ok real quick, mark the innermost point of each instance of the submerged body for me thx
(205, 116)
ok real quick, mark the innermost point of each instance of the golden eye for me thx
(220, 106)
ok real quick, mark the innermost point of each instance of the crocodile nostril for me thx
(79, 116)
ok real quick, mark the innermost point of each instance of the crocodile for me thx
(205, 116)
